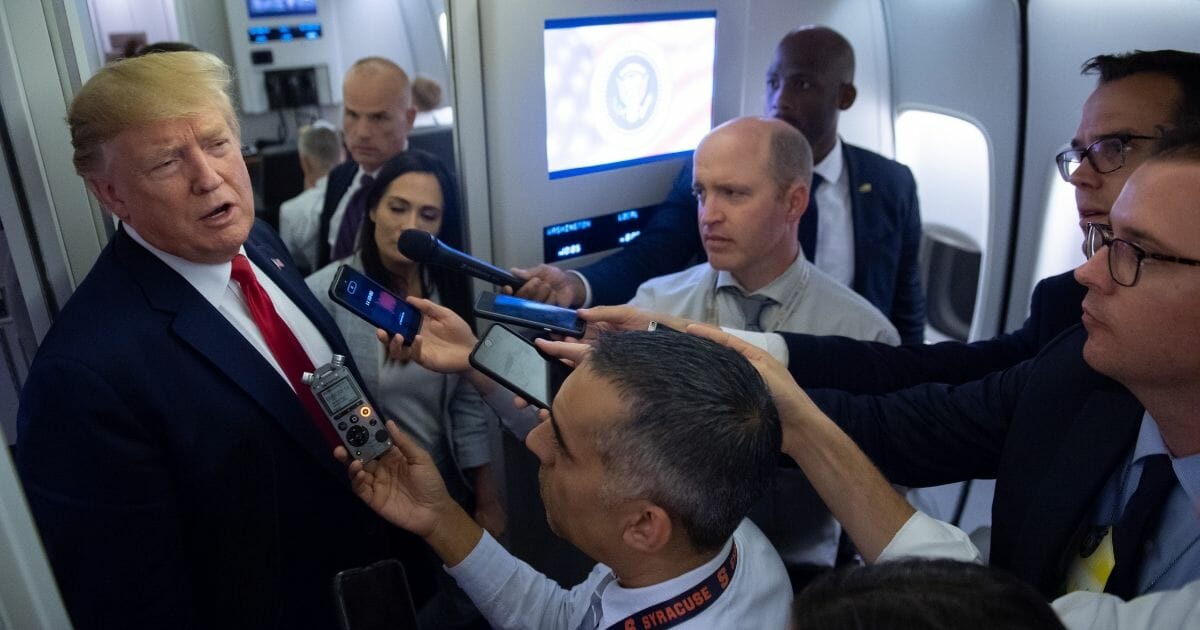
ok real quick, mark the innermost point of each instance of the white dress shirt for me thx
(835, 221)
(215, 284)
(300, 221)
(925, 537)
(512, 595)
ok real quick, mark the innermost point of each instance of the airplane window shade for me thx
(949, 158)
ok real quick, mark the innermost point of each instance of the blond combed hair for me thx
(141, 90)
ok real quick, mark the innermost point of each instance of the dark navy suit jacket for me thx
(175, 477)
(867, 367)
(340, 179)
(887, 239)
(1051, 431)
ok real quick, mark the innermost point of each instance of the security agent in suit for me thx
(1138, 92)
(175, 475)
(1076, 437)
(377, 114)
(869, 226)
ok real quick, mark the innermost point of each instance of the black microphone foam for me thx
(423, 247)
(418, 245)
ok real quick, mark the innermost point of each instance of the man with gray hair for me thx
(751, 179)
(654, 449)
(320, 150)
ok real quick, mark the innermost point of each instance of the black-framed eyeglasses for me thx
(1106, 155)
(1124, 258)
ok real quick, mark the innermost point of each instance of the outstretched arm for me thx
(854, 490)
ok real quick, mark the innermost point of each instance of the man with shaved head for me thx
(751, 182)
(377, 115)
(862, 227)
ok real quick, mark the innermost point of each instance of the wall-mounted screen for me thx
(628, 89)
(272, 8)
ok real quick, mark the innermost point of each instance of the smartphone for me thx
(514, 362)
(375, 598)
(370, 301)
(530, 314)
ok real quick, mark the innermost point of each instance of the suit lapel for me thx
(1091, 448)
(866, 232)
(202, 327)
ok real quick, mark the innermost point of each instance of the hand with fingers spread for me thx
(551, 285)
(405, 487)
(443, 344)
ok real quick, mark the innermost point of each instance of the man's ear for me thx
(648, 528)
(846, 96)
(104, 190)
(797, 200)
(411, 115)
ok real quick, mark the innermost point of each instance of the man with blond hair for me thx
(180, 473)
(377, 115)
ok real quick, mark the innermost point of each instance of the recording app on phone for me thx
(372, 302)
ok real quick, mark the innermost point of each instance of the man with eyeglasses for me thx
(1137, 95)
(1095, 443)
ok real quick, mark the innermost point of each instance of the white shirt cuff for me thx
(587, 288)
(923, 536)
(771, 342)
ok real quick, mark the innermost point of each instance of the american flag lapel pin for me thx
(278, 263)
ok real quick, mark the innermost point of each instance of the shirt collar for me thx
(210, 280)
(779, 289)
(620, 602)
(833, 165)
(1187, 469)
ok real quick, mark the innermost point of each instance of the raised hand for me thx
(625, 317)
(443, 344)
(403, 486)
(551, 285)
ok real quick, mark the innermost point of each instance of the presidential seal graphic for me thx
(632, 93)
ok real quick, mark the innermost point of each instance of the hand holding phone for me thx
(369, 300)
(514, 362)
(521, 312)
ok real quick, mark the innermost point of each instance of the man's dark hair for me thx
(703, 437)
(454, 290)
(1181, 67)
(1179, 143)
(922, 594)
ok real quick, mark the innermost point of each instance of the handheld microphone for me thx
(421, 246)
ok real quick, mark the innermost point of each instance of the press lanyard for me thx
(676, 610)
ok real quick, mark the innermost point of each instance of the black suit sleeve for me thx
(101, 493)
(668, 243)
(874, 368)
(932, 434)
(908, 302)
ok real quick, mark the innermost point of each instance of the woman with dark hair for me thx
(443, 412)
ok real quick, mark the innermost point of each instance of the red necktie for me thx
(283, 344)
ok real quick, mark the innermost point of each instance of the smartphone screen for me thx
(516, 363)
(370, 301)
(515, 310)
